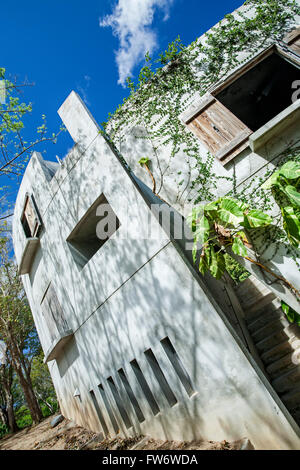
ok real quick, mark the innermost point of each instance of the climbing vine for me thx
(166, 85)
(165, 88)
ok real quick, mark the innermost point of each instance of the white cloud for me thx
(131, 22)
(83, 89)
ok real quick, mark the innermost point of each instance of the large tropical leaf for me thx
(217, 264)
(202, 230)
(203, 266)
(293, 195)
(195, 250)
(291, 314)
(256, 218)
(231, 211)
(193, 216)
(238, 247)
(272, 181)
(212, 206)
(290, 170)
(291, 225)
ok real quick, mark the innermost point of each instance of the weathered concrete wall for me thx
(174, 174)
(133, 293)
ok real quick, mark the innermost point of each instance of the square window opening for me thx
(93, 230)
(262, 92)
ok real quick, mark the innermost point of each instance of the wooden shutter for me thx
(221, 131)
(30, 217)
(53, 313)
(293, 40)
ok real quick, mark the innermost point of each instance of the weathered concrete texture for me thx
(136, 291)
(265, 147)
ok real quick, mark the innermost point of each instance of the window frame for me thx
(284, 50)
(80, 257)
(38, 222)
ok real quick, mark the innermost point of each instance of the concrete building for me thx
(136, 340)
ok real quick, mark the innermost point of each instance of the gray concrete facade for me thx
(141, 343)
(134, 293)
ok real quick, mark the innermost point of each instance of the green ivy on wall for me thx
(165, 88)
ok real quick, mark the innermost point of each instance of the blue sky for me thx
(63, 45)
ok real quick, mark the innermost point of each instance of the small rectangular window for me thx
(119, 403)
(99, 413)
(160, 377)
(178, 366)
(145, 387)
(108, 408)
(30, 218)
(131, 396)
(92, 231)
(53, 313)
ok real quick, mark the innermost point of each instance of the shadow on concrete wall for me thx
(112, 333)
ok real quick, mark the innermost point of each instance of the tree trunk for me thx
(3, 415)
(12, 425)
(23, 374)
(32, 403)
(8, 415)
(46, 402)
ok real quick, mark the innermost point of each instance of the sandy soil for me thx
(68, 436)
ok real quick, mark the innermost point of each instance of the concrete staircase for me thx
(277, 341)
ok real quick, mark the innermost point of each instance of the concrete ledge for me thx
(274, 127)
(56, 347)
(28, 255)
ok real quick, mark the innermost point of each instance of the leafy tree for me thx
(219, 225)
(14, 149)
(17, 328)
(43, 386)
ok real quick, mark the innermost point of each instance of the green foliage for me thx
(23, 417)
(144, 161)
(291, 314)
(49, 411)
(284, 185)
(43, 386)
(3, 430)
(15, 150)
(236, 271)
(218, 226)
(166, 87)
(16, 318)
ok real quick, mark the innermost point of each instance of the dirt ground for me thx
(68, 436)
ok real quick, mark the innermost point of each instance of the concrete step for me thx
(287, 381)
(250, 288)
(286, 334)
(287, 362)
(270, 328)
(292, 399)
(253, 310)
(280, 350)
(265, 317)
